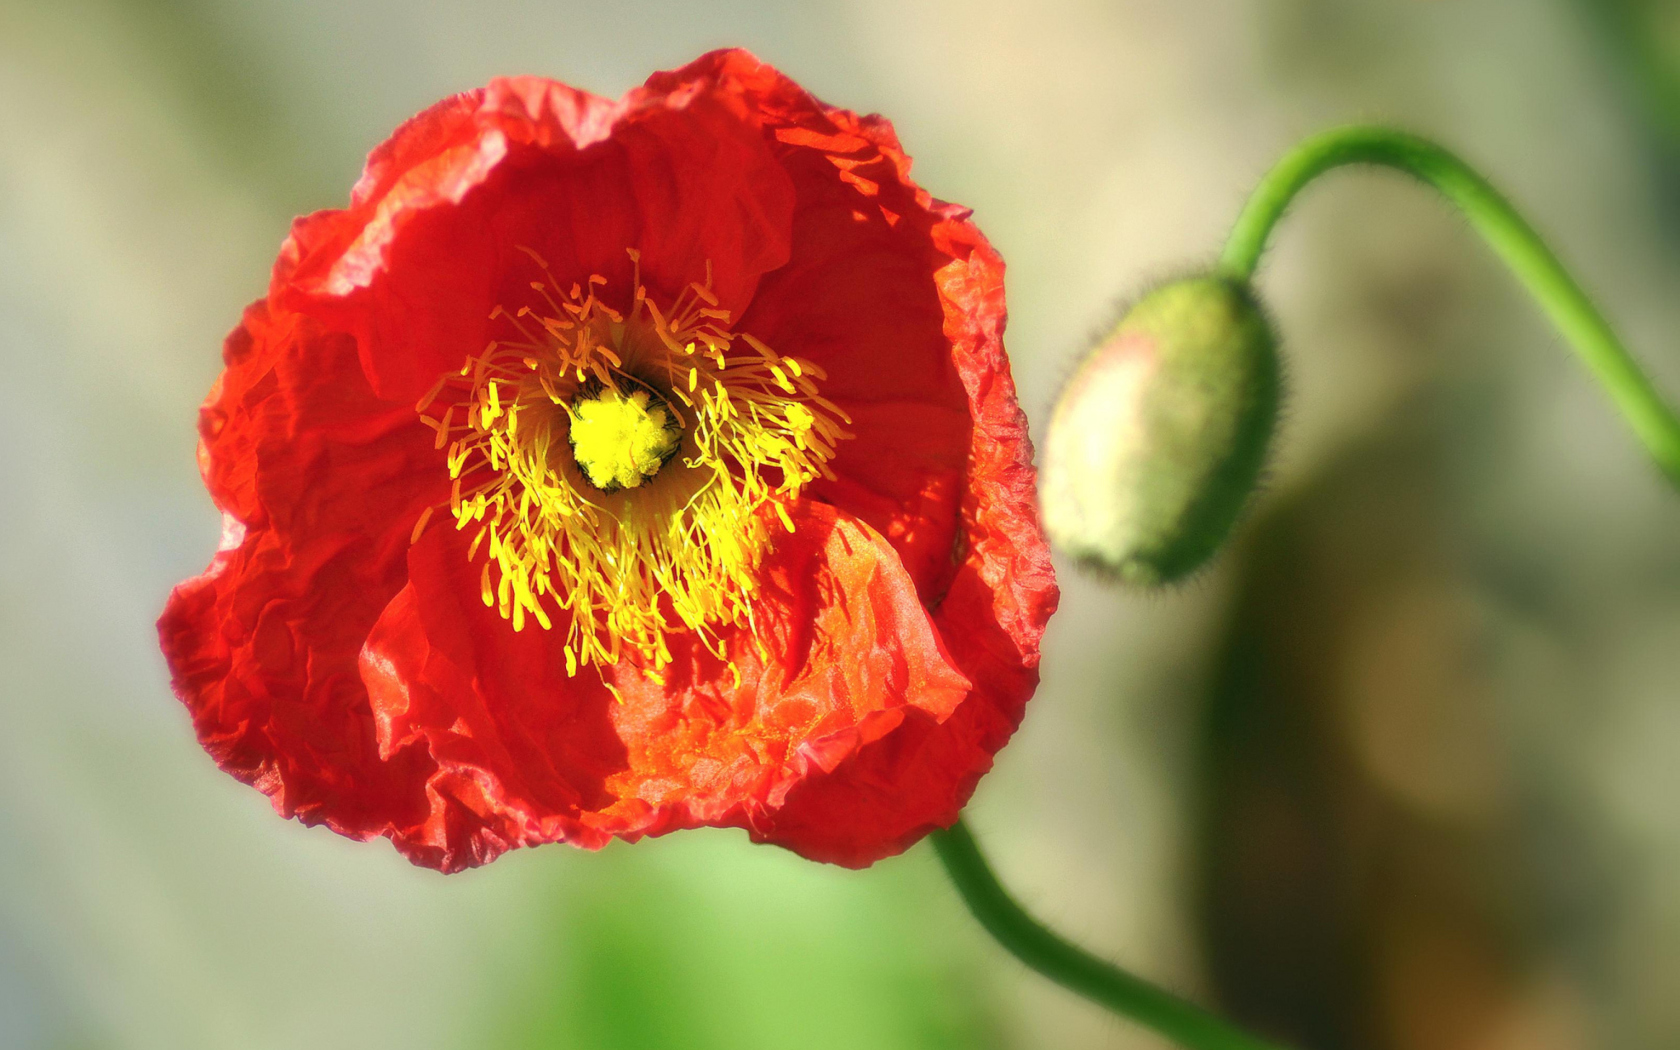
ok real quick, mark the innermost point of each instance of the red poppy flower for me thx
(610, 468)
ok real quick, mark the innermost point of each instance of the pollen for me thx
(622, 439)
(623, 472)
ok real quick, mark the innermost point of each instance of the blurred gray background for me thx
(1400, 771)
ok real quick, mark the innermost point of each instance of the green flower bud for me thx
(1159, 437)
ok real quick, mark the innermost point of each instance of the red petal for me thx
(318, 485)
(859, 298)
(549, 757)
(992, 617)
(431, 242)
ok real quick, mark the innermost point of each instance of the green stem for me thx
(1510, 236)
(1073, 968)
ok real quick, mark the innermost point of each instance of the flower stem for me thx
(1506, 232)
(1074, 968)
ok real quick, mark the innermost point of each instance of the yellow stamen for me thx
(621, 472)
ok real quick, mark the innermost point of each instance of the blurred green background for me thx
(1401, 772)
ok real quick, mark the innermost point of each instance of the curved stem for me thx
(1510, 236)
(1074, 968)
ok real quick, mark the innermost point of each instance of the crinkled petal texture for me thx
(353, 673)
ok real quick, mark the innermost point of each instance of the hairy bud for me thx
(1158, 439)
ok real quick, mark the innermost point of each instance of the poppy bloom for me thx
(610, 468)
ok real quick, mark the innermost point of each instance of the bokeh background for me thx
(1401, 771)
